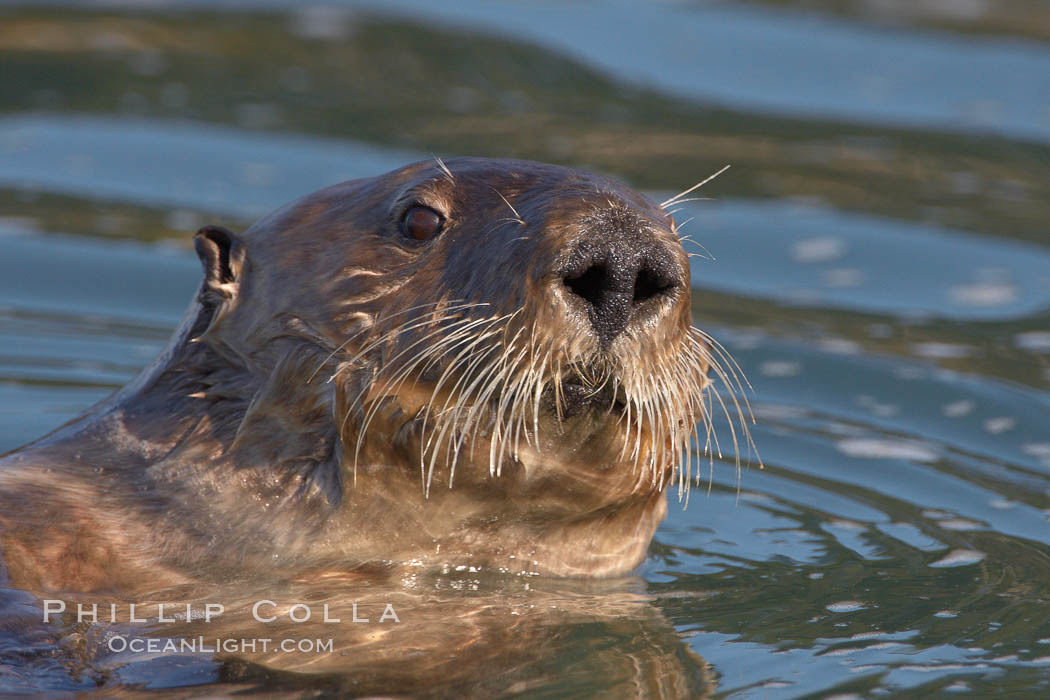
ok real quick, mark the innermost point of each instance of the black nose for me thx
(620, 279)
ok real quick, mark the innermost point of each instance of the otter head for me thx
(507, 342)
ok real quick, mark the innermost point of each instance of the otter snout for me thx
(618, 276)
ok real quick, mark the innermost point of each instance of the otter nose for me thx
(621, 281)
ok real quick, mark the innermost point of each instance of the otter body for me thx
(486, 363)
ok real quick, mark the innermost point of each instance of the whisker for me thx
(517, 216)
(677, 197)
(445, 170)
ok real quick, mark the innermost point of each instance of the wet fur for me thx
(339, 397)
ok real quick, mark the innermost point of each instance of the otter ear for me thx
(222, 254)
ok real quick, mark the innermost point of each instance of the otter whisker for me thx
(516, 403)
(694, 199)
(691, 364)
(470, 426)
(346, 342)
(467, 398)
(508, 428)
(445, 423)
(735, 387)
(532, 387)
(517, 216)
(488, 382)
(537, 393)
(444, 169)
(394, 333)
(665, 423)
(504, 400)
(516, 418)
(467, 354)
(738, 373)
(674, 200)
(721, 374)
(706, 255)
(496, 425)
(557, 391)
(391, 386)
(400, 376)
(520, 389)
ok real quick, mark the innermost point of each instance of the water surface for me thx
(877, 260)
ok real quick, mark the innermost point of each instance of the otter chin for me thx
(485, 363)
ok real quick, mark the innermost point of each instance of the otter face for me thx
(503, 313)
(502, 327)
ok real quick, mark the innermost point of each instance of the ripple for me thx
(780, 368)
(816, 250)
(874, 448)
(994, 86)
(958, 409)
(984, 294)
(1034, 341)
(977, 277)
(960, 525)
(958, 557)
(999, 424)
(941, 351)
(179, 163)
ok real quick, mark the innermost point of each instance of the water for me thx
(881, 272)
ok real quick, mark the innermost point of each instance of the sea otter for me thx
(479, 363)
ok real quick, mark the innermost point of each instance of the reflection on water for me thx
(442, 636)
(214, 169)
(904, 78)
(1011, 18)
(880, 271)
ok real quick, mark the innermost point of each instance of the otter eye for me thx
(421, 223)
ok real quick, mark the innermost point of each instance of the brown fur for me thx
(276, 436)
